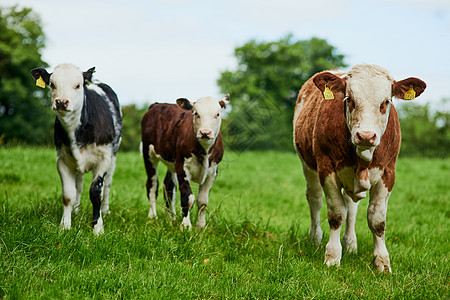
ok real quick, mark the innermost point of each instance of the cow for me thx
(87, 136)
(347, 135)
(185, 137)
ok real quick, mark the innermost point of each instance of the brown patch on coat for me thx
(334, 220)
(66, 200)
(380, 228)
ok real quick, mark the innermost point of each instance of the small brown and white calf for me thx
(186, 138)
(347, 135)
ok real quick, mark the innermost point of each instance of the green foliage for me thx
(24, 111)
(131, 131)
(425, 133)
(264, 89)
(255, 244)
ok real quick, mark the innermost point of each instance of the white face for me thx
(368, 103)
(207, 113)
(66, 87)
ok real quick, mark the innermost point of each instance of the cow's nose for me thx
(205, 134)
(61, 103)
(366, 138)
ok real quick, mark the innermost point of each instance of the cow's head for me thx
(207, 115)
(66, 84)
(367, 91)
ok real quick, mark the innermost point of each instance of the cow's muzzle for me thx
(60, 104)
(205, 134)
(365, 139)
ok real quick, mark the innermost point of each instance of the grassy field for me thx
(255, 244)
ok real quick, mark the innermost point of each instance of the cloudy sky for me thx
(161, 50)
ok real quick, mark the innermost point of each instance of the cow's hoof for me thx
(98, 228)
(315, 236)
(186, 224)
(350, 245)
(65, 224)
(152, 215)
(200, 225)
(332, 262)
(382, 264)
(333, 256)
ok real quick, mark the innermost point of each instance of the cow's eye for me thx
(350, 103)
(77, 86)
(218, 114)
(52, 85)
(196, 114)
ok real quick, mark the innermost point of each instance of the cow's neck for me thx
(70, 121)
(203, 150)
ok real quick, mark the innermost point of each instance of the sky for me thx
(150, 50)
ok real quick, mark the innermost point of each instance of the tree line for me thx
(263, 88)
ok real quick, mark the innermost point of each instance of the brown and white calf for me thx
(186, 138)
(347, 135)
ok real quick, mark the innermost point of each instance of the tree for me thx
(425, 133)
(131, 131)
(25, 113)
(264, 89)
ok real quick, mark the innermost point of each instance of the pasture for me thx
(254, 246)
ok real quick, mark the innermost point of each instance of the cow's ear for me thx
(329, 84)
(408, 89)
(41, 73)
(88, 76)
(224, 102)
(184, 103)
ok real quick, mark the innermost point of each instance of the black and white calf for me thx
(88, 126)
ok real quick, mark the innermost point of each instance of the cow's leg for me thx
(69, 191)
(187, 198)
(337, 213)
(203, 196)
(349, 240)
(376, 218)
(107, 187)
(314, 197)
(170, 182)
(96, 195)
(151, 166)
(79, 186)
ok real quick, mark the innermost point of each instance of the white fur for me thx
(186, 222)
(369, 86)
(207, 116)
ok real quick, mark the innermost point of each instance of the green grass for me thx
(255, 244)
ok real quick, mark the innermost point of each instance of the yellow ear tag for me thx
(410, 94)
(40, 82)
(327, 93)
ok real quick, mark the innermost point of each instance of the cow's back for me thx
(318, 122)
(166, 127)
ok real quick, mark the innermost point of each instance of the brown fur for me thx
(335, 221)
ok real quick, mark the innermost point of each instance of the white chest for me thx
(86, 159)
(353, 185)
(196, 171)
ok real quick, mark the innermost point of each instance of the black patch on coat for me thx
(96, 121)
(95, 193)
(60, 135)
